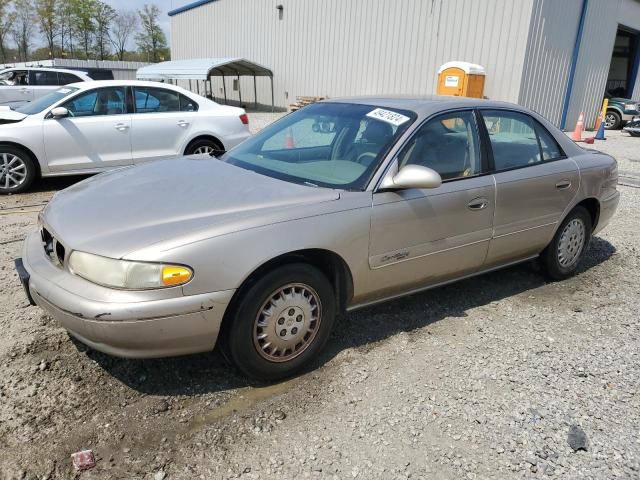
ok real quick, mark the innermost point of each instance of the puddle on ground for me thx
(243, 400)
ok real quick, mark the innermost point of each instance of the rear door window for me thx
(43, 77)
(156, 100)
(67, 78)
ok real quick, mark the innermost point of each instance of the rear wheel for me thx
(204, 146)
(562, 256)
(612, 120)
(281, 322)
(17, 170)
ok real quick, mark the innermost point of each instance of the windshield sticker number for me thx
(388, 116)
(64, 90)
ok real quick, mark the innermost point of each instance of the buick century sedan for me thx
(342, 204)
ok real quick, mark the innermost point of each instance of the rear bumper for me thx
(125, 326)
(608, 208)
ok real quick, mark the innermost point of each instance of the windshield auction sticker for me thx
(388, 116)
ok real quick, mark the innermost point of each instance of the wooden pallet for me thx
(303, 102)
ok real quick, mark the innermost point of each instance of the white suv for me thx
(21, 85)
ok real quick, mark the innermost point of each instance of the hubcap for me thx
(609, 120)
(204, 150)
(287, 322)
(13, 171)
(571, 243)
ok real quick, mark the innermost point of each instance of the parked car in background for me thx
(21, 85)
(94, 126)
(619, 112)
(336, 206)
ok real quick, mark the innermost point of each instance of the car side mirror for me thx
(412, 176)
(59, 112)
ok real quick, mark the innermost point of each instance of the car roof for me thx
(124, 83)
(48, 69)
(427, 104)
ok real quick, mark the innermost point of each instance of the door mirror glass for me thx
(59, 112)
(412, 176)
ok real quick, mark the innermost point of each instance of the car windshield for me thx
(42, 103)
(335, 145)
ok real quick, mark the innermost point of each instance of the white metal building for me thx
(555, 56)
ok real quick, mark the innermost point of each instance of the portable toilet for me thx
(461, 79)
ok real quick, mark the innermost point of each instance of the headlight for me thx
(631, 106)
(126, 274)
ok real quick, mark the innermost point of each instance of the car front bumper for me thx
(119, 323)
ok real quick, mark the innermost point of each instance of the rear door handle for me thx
(563, 184)
(478, 204)
(121, 126)
(183, 123)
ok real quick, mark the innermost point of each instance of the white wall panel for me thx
(338, 47)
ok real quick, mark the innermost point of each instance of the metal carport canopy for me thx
(203, 69)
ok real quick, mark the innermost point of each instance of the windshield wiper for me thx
(311, 184)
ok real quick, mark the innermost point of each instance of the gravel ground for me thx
(485, 378)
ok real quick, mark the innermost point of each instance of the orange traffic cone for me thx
(577, 133)
(288, 142)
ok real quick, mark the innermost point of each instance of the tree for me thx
(46, 11)
(23, 27)
(151, 39)
(65, 24)
(104, 16)
(6, 23)
(124, 26)
(83, 14)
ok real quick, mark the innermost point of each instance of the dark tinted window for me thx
(151, 100)
(187, 105)
(104, 101)
(448, 144)
(43, 77)
(66, 78)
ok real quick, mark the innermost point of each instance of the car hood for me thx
(124, 210)
(8, 115)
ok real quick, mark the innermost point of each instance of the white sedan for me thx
(95, 126)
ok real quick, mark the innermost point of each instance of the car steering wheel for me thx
(364, 155)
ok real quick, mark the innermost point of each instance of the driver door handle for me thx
(478, 204)
(121, 126)
(562, 185)
(182, 123)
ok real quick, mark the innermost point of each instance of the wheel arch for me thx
(203, 136)
(28, 152)
(592, 205)
(328, 262)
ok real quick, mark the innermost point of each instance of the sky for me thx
(164, 5)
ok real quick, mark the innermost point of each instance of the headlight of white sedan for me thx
(127, 274)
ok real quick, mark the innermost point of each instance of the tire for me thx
(562, 256)
(18, 170)
(612, 120)
(302, 308)
(634, 134)
(203, 146)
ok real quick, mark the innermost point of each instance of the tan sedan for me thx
(339, 205)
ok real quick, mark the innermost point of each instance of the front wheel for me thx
(562, 256)
(17, 170)
(281, 323)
